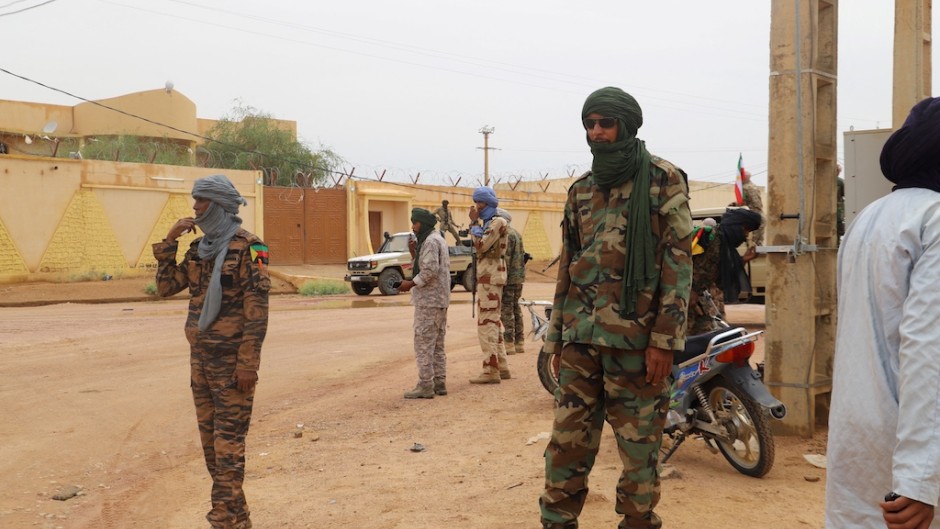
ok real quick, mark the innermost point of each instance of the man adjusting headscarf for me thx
(219, 223)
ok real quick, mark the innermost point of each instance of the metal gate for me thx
(304, 225)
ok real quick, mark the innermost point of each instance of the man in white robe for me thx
(884, 422)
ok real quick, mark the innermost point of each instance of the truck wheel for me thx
(469, 277)
(387, 279)
(362, 289)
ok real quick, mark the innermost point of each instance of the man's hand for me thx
(406, 285)
(474, 214)
(750, 254)
(905, 513)
(658, 364)
(412, 246)
(182, 226)
(245, 379)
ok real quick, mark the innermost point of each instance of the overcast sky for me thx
(405, 86)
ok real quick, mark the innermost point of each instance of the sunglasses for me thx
(605, 123)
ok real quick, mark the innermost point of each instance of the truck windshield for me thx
(398, 243)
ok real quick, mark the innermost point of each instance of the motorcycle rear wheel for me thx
(547, 377)
(750, 449)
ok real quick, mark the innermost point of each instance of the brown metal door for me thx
(283, 224)
(375, 229)
(325, 221)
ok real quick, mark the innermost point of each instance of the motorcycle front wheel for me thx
(547, 377)
(749, 447)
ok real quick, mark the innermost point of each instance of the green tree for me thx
(250, 139)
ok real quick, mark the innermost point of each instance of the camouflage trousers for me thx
(223, 414)
(598, 383)
(511, 315)
(490, 327)
(450, 228)
(430, 326)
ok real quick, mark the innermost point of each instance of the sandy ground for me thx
(95, 395)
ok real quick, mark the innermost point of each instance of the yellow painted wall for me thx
(61, 218)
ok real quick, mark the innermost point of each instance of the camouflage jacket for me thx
(432, 284)
(491, 252)
(243, 316)
(444, 217)
(515, 258)
(705, 264)
(590, 271)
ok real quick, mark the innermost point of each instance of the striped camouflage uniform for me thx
(511, 312)
(491, 276)
(603, 363)
(431, 297)
(223, 412)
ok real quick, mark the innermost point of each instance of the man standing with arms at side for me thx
(430, 286)
(227, 276)
(511, 313)
(489, 242)
(619, 314)
(883, 424)
(447, 221)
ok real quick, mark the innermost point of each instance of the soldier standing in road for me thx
(489, 241)
(619, 314)
(227, 276)
(511, 314)
(431, 297)
(447, 221)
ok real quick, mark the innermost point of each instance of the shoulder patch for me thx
(259, 254)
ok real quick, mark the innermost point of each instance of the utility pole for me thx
(486, 131)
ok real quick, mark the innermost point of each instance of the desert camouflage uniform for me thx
(223, 412)
(603, 370)
(491, 276)
(431, 297)
(511, 313)
(705, 278)
(446, 222)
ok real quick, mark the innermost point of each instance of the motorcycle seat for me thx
(696, 345)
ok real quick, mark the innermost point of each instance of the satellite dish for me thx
(28, 140)
(50, 127)
(168, 86)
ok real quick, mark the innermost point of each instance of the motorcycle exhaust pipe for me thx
(778, 412)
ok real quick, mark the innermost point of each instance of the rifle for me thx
(549, 265)
(473, 293)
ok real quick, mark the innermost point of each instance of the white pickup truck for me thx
(392, 263)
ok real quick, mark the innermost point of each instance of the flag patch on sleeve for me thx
(259, 254)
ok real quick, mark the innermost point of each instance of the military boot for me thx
(519, 347)
(510, 350)
(504, 373)
(489, 375)
(439, 387)
(421, 391)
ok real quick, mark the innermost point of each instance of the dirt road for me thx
(97, 396)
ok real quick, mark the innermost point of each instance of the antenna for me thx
(50, 126)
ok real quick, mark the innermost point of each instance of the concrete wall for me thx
(62, 219)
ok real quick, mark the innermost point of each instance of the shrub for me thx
(323, 287)
(151, 289)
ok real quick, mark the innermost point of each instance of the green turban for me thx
(427, 220)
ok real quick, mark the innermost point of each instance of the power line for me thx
(24, 9)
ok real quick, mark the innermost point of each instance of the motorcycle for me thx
(716, 395)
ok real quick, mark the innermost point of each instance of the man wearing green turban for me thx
(619, 314)
(430, 294)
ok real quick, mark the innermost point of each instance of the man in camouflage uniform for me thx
(511, 313)
(430, 294)
(618, 316)
(717, 266)
(447, 221)
(489, 243)
(227, 277)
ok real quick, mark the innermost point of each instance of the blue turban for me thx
(486, 195)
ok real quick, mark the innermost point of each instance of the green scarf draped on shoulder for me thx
(614, 165)
(427, 220)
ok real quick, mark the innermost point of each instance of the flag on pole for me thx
(739, 183)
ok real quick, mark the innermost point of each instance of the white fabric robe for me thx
(884, 423)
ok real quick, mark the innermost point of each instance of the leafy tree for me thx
(250, 139)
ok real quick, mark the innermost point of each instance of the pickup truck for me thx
(392, 263)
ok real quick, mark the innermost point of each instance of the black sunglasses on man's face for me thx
(605, 123)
